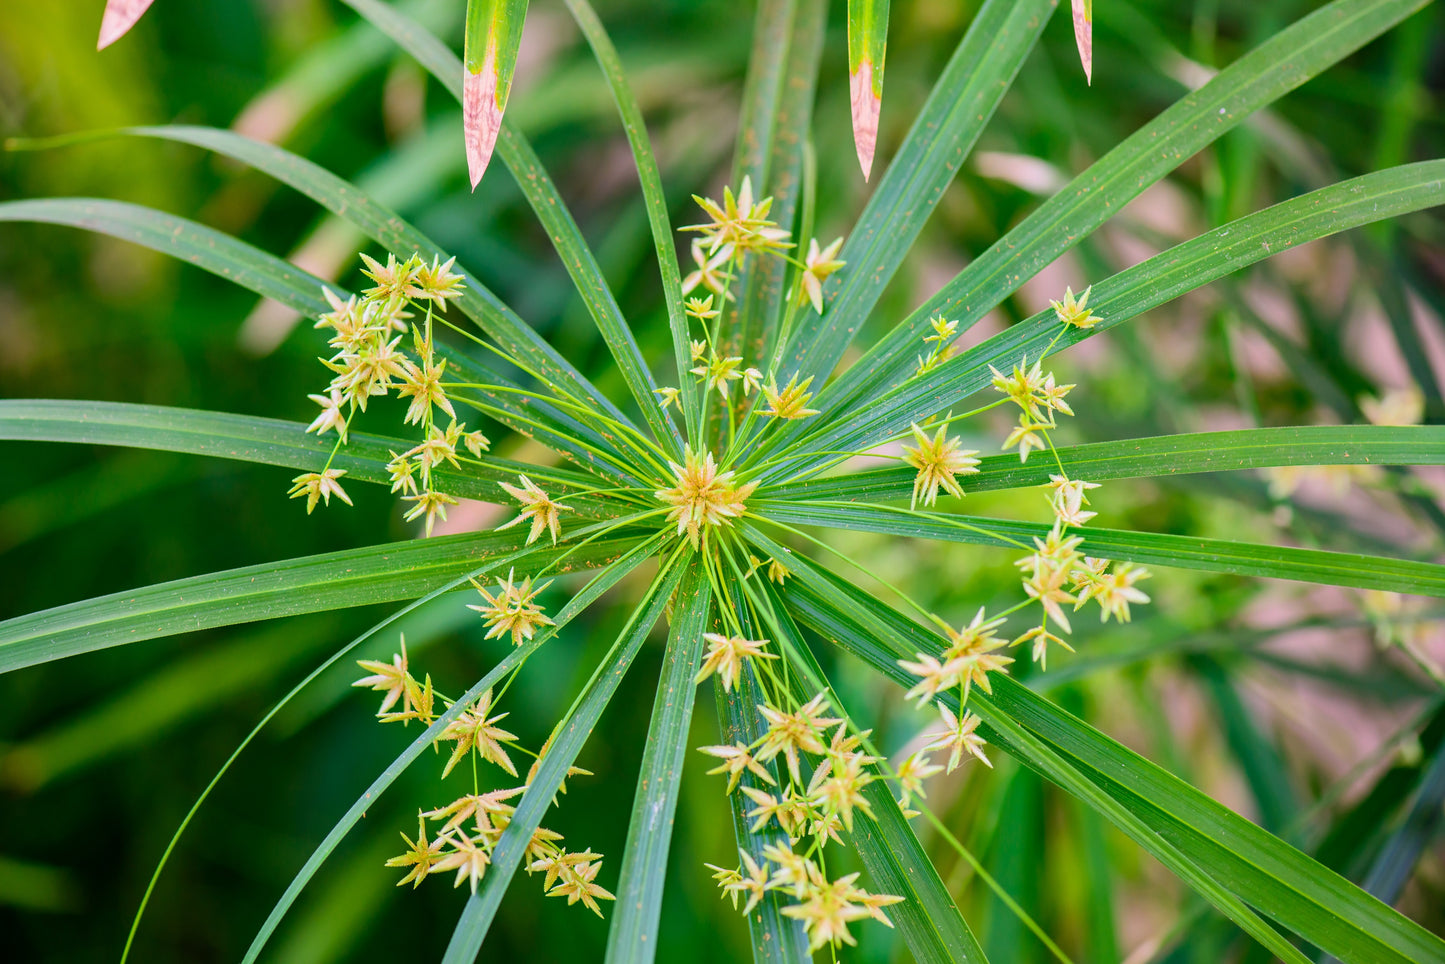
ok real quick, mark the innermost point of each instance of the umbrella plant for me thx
(718, 483)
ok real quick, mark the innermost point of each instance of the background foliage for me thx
(1271, 697)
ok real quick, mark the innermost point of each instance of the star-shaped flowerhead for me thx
(972, 650)
(476, 730)
(739, 224)
(395, 280)
(702, 496)
(1068, 499)
(791, 402)
(332, 418)
(939, 460)
(1027, 435)
(797, 732)
(536, 506)
(958, 737)
(911, 773)
(437, 281)
(751, 878)
(711, 273)
(736, 759)
(817, 266)
(318, 486)
(423, 385)
(392, 679)
(469, 857)
(1073, 312)
(725, 655)
(576, 880)
(421, 855)
(431, 504)
(718, 372)
(1115, 590)
(513, 609)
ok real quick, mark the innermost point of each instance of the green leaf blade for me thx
(633, 935)
(334, 580)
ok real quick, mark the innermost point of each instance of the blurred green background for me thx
(1275, 698)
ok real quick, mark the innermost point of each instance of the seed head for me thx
(537, 506)
(791, 402)
(938, 461)
(512, 609)
(1075, 313)
(702, 496)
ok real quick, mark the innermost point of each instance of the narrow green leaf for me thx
(1160, 279)
(547, 204)
(867, 46)
(589, 594)
(268, 441)
(652, 195)
(1279, 65)
(633, 935)
(1149, 548)
(1264, 769)
(309, 584)
(119, 17)
(1160, 456)
(1263, 870)
(1402, 851)
(568, 738)
(772, 150)
(390, 620)
(385, 227)
(493, 34)
(183, 688)
(213, 250)
(875, 623)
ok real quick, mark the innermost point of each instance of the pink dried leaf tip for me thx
(120, 16)
(866, 106)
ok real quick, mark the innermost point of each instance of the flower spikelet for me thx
(512, 609)
(536, 506)
(736, 759)
(791, 402)
(725, 655)
(817, 266)
(421, 856)
(392, 678)
(939, 460)
(972, 649)
(703, 496)
(958, 737)
(318, 486)
(475, 730)
(1075, 312)
(791, 733)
